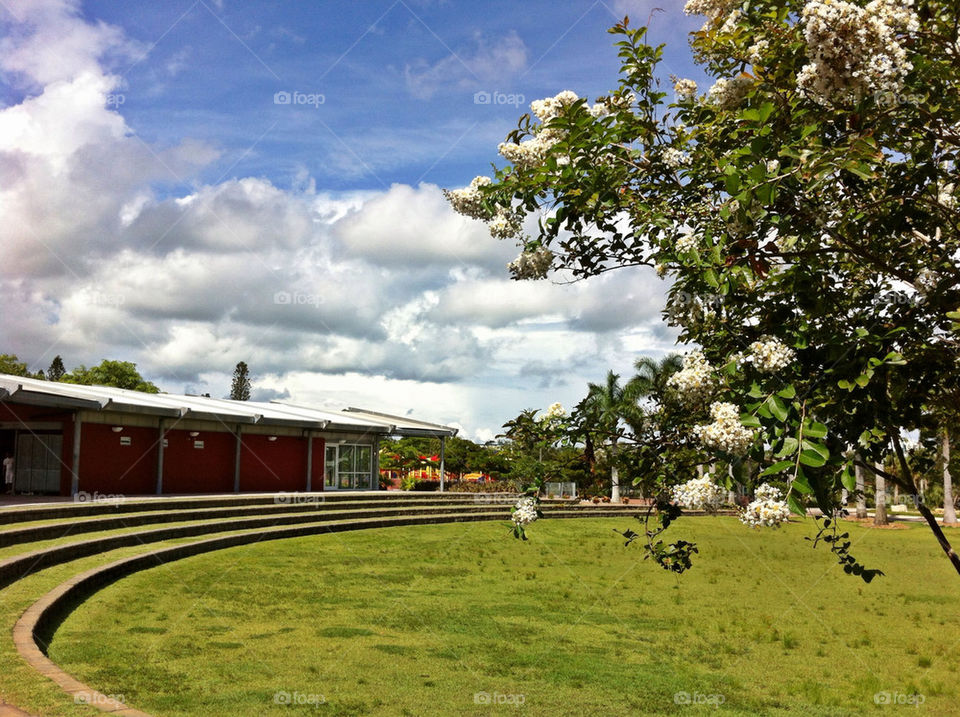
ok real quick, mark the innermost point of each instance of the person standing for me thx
(8, 472)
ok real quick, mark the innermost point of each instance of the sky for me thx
(193, 183)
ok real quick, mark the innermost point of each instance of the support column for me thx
(309, 461)
(160, 460)
(75, 468)
(375, 461)
(443, 471)
(236, 460)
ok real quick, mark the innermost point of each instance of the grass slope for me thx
(439, 619)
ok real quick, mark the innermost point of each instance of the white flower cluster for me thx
(855, 50)
(756, 51)
(946, 197)
(726, 433)
(713, 9)
(728, 93)
(674, 158)
(687, 240)
(699, 494)
(685, 89)
(693, 382)
(468, 201)
(526, 511)
(505, 224)
(767, 510)
(926, 281)
(770, 355)
(532, 152)
(532, 264)
(556, 410)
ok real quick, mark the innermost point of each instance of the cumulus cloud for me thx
(113, 248)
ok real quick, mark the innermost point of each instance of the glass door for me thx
(330, 468)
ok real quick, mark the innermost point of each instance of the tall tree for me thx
(949, 509)
(11, 364)
(604, 413)
(56, 370)
(240, 388)
(121, 374)
(880, 499)
(808, 215)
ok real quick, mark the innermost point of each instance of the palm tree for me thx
(604, 411)
(880, 499)
(652, 376)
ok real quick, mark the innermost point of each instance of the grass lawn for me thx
(440, 619)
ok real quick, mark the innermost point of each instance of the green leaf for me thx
(777, 408)
(790, 446)
(848, 478)
(796, 507)
(801, 484)
(788, 392)
(749, 420)
(812, 458)
(815, 430)
(777, 467)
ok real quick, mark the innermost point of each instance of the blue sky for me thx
(162, 203)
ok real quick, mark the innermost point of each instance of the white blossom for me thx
(855, 50)
(556, 410)
(726, 433)
(757, 50)
(694, 382)
(505, 224)
(769, 355)
(685, 90)
(469, 201)
(713, 9)
(767, 510)
(687, 240)
(532, 264)
(926, 281)
(728, 93)
(699, 494)
(674, 158)
(525, 511)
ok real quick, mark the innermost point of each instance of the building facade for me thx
(73, 440)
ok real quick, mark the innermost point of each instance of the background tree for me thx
(240, 388)
(11, 364)
(121, 374)
(56, 370)
(806, 209)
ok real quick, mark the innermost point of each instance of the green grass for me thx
(420, 620)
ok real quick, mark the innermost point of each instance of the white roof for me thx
(18, 389)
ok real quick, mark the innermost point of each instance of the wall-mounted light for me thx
(271, 438)
(194, 434)
(116, 429)
(342, 440)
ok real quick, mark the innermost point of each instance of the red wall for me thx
(108, 467)
(198, 470)
(319, 451)
(267, 465)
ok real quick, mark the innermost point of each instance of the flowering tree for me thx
(805, 208)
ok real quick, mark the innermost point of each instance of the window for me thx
(348, 466)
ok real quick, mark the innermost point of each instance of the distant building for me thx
(67, 438)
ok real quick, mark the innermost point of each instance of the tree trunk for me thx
(861, 497)
(614, 475)
(949, 510)
(880, 500)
